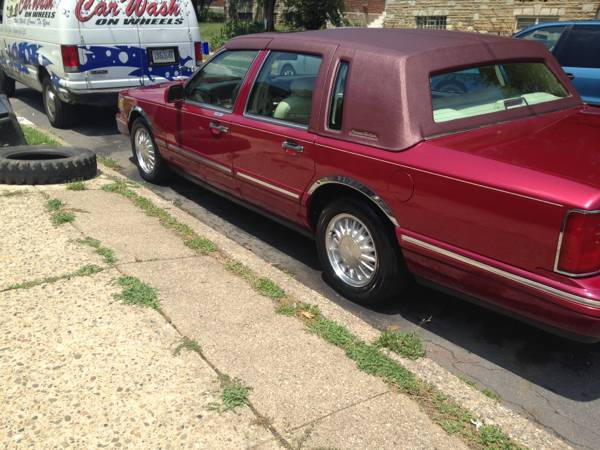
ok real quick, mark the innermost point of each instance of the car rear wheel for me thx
(147, 156)
(59, 113)
(359, 254)
(7, 85)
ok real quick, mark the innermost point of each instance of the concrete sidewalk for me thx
(80, 369)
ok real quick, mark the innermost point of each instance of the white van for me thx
(86, 51)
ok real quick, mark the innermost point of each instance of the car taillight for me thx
(198, 52)
(580, 245)
(70, 57)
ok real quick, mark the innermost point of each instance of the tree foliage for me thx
(313, 14)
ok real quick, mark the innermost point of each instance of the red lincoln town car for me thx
(467, 162)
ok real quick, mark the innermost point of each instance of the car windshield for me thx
(488, 89)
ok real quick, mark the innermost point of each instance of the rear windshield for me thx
(488, 89)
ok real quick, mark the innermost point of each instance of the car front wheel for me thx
(147, 157)
(359, 253)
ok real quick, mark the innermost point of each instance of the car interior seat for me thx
(296, 108)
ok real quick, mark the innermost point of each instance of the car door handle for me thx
(570, 76)
(292, 147)
(221, 129)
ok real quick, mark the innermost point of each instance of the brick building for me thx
(486, 16)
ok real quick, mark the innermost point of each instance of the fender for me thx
(138, 109)
(357, 186)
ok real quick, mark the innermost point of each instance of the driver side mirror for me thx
(175, 93)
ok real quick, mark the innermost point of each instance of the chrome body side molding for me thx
(267, 185)
(503, 274)
(200, 159)
(357, 186)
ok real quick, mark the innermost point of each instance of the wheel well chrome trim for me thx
(137, 109)
(359, 187)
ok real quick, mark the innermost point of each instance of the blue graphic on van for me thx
(101, 57)
(22, 54)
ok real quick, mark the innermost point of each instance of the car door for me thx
(579, 54)
(279, 163)
(204, 127)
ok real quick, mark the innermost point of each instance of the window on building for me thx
(1, 10)
(527, 21)
(431, 22)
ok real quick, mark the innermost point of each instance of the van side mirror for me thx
(174, 93)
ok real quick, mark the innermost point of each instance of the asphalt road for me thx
(551, 380)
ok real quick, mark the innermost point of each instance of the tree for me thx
(313, 14)
(268, 7)
(201, 8)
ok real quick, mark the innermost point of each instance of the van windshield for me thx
(487, 89)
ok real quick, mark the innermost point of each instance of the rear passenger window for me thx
(284, 87)
(219, 82)
(581, 48)
(337, 99)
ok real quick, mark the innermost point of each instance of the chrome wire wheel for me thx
(351, 250)
(144, 150)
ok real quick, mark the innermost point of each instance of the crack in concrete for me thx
(319, 419)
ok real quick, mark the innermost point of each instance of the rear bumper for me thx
(91, 97)
(572, 310)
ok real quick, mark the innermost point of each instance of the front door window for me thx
(218, 83)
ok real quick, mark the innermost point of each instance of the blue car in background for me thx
(576, 45)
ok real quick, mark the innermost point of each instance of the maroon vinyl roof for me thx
(388, 99)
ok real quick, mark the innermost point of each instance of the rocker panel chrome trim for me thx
(509, 276)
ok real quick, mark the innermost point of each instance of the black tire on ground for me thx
(33, 164)
(391, 275)
(59, 113)
(7, 85)
(159, 170)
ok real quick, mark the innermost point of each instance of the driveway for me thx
(547, 378)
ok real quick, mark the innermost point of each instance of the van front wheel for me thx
(59, 113)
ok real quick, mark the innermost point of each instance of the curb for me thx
(522, 430)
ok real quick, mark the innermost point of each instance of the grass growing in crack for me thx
(264, 286)
(107, 254)
(453, 418)
(54, 204)
(75, 185)
(59, 214)
(60, 217)
(268, 288)
(109, 162)
(187, 344)
(136, 292)
(201, 245)
(192, 239)
(233, 393)
(35, 137)
(14, 193)
(490, 394)
(84, 271)
(408, 345)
